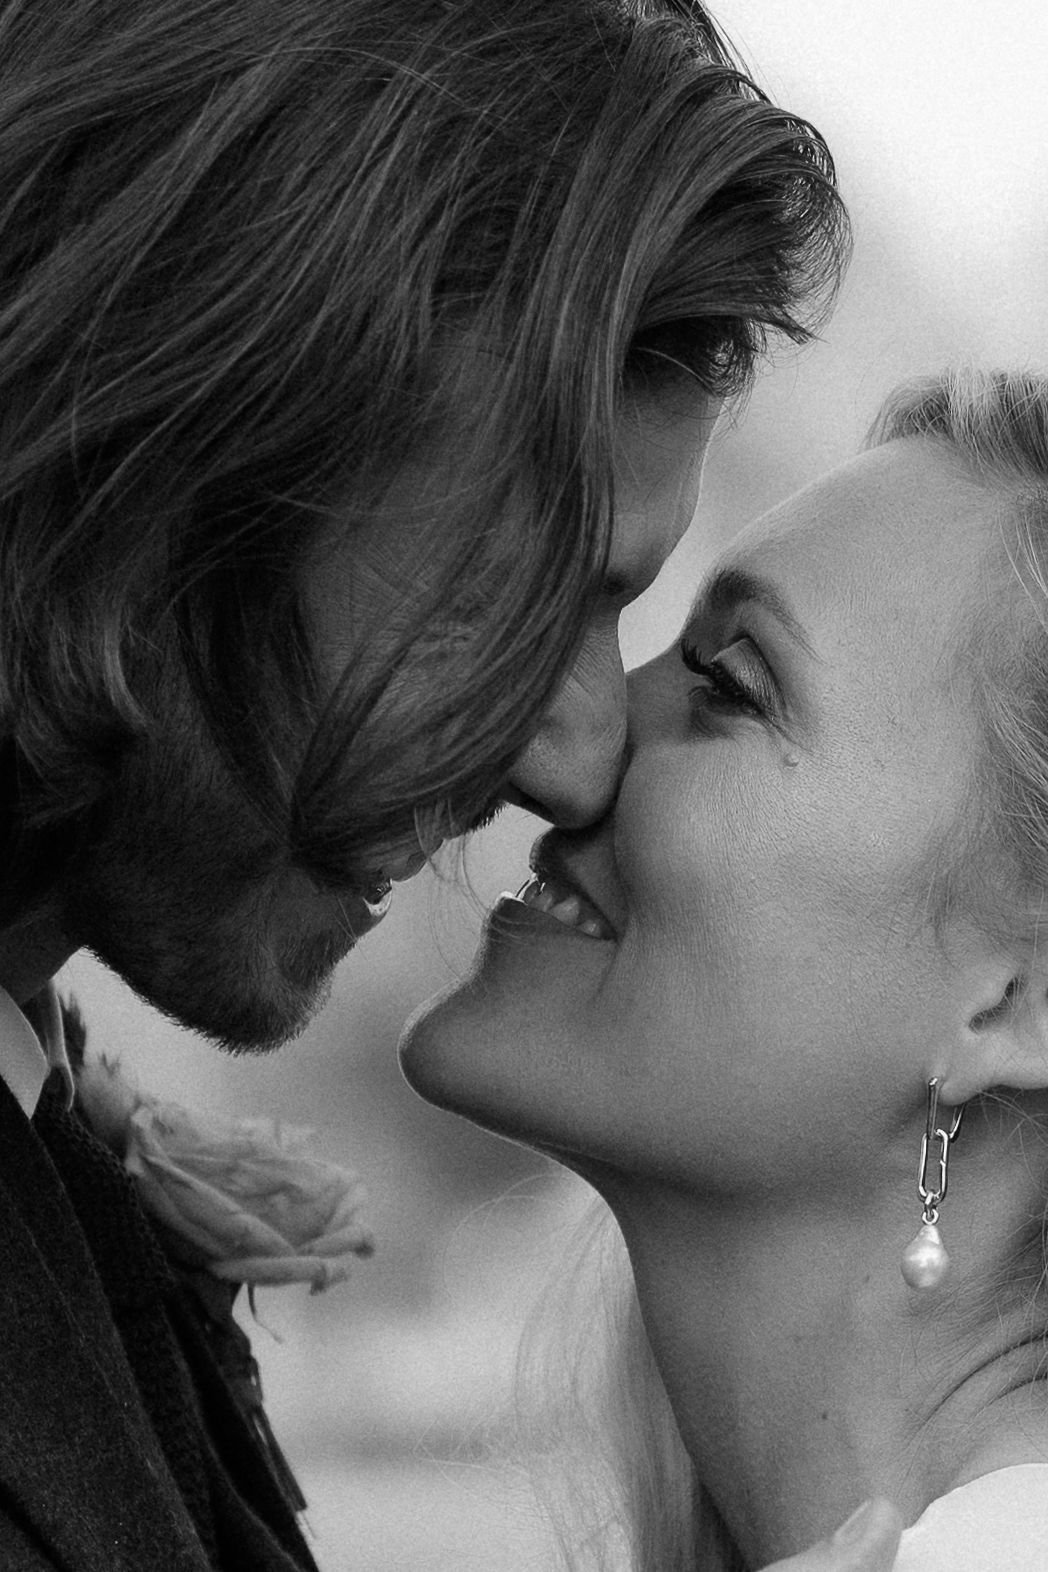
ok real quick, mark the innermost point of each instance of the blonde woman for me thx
(795, 985)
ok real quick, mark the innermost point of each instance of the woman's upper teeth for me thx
(566, 905)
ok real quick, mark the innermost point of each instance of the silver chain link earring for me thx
(924, 1261)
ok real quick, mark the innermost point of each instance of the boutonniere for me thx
(242, 1197)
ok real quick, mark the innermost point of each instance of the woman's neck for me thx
(806, 1376)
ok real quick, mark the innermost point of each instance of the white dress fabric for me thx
(998, 1523)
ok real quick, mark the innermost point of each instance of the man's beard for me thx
(184, 895)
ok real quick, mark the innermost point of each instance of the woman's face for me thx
(758, 975)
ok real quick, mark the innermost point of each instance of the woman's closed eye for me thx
(735, 680)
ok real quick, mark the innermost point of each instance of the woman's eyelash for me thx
(725, 687)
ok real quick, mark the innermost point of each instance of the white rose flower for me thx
(242, 1194)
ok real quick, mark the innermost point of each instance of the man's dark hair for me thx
(255, 255)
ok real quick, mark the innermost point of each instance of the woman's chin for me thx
(506, 1046)
(454, 1056)
(426, 1052)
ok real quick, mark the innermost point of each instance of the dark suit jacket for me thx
(130, 1428)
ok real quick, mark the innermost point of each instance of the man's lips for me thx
(402, 860)
(365, 905)
(359, 912)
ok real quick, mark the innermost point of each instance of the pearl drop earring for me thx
(924, 1261)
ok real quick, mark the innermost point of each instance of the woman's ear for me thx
(1004, 1040)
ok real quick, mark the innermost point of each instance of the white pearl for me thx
(924, 1261)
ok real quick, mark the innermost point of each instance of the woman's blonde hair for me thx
(996, 422)
(595, 1427)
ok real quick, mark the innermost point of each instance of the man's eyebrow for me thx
(730, 587)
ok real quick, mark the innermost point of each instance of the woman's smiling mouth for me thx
(566, 905)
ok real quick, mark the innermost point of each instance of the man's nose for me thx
(570, 769)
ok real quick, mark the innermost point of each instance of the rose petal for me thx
(243, 1193)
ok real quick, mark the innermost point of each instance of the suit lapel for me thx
(78, 1457)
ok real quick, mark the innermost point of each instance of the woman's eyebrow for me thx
(730, 587)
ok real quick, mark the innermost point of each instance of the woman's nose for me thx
(570, 769)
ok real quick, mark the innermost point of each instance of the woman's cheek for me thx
(659, 829)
